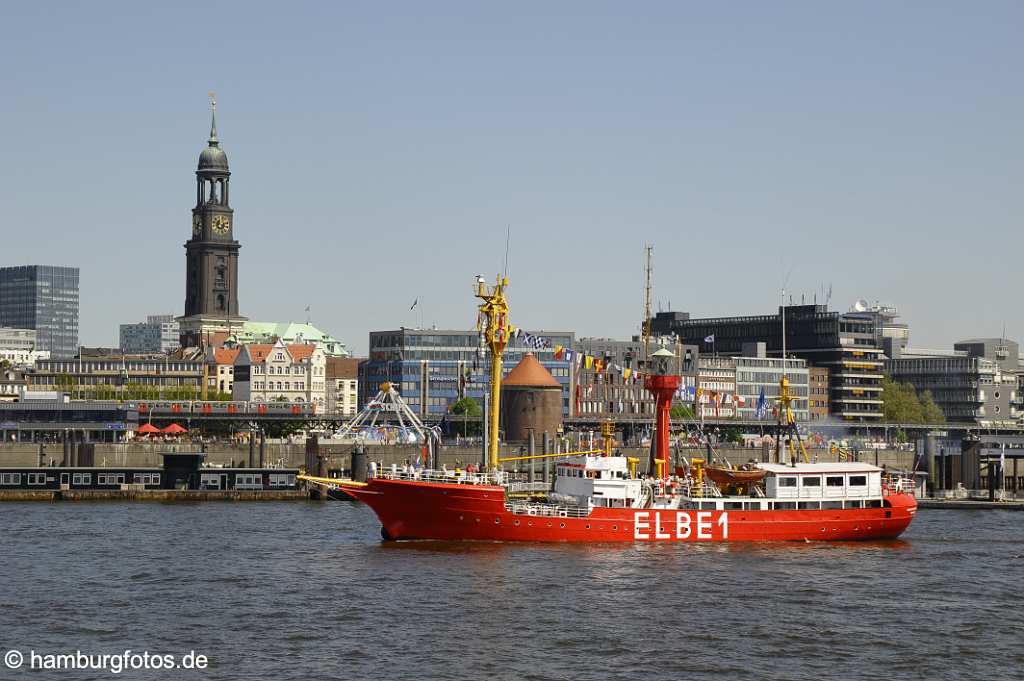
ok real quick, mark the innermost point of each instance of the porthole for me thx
(562, 525)
(460, 517)
(549, 524)
(588, 526)
(497, 521)
(529, 523)
(517, 523)
(615, 527)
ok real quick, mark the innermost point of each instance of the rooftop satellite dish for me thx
(860, 306)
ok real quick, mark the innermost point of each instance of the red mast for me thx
(663, 386)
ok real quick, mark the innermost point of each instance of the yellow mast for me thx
(789, 421)
(496, 331)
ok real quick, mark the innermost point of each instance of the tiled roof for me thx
(530, 373)
(225, 355)
(301, 352)
(258, 352)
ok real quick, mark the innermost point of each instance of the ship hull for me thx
(419, 510)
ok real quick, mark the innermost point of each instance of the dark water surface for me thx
(308, 591)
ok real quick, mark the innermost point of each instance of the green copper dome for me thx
(213, 158)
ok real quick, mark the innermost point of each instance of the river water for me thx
(306, 590)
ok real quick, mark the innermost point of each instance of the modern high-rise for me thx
(43, 298)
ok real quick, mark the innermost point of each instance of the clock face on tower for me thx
(197, 225)
(221, 224)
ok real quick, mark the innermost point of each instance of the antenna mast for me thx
(646, 326)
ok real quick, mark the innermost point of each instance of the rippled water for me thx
(307, 590)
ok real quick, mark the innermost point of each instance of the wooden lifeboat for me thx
(729, 477)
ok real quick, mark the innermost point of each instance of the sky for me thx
(380, 151)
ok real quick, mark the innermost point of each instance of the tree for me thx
(467, 406)
(902, 404)
(932, 411)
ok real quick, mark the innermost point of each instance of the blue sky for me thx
(379, 150)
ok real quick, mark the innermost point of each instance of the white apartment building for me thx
(280, 373)
(220, 369)
(343, 385)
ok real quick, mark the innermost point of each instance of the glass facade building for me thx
(44, 298)
(433, 369)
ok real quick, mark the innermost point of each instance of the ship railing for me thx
(694, 490)
(899, 484)
(451, 477)
(520, 487)
(547, 510)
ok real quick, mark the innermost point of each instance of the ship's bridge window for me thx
(834, 481)
(789, 482)
(858, 480)
(811, 481)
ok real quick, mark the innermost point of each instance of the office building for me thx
(18, 347)
(844, 344)
(433, 368)
(890, 335)
(159, 333)
(757, 374)
(968, 389)
(1005, 353)
(106, 373)
(43, 298)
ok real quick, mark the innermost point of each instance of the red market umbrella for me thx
(174, 429)
(148, 429)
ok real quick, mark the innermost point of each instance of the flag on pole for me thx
(709, 339)
(762, 405)
(414, 303)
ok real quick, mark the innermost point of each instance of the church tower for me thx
(211, 255)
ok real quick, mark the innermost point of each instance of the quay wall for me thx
(151, 495)
(338, 456)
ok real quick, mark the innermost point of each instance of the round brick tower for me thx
(531, 399)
